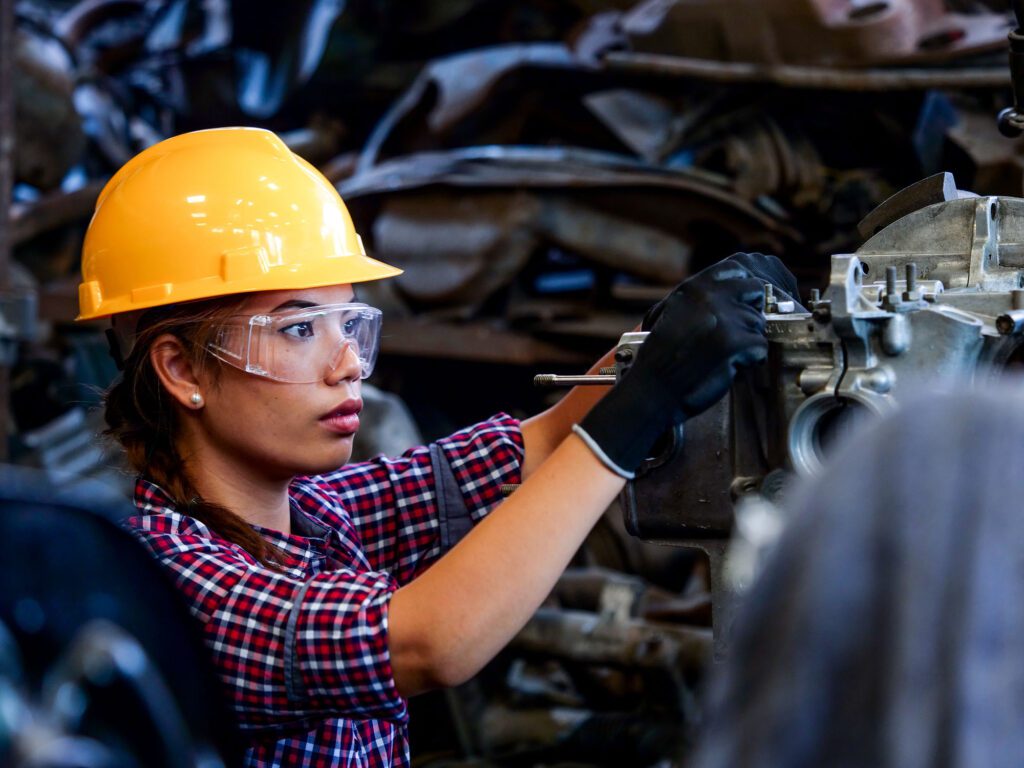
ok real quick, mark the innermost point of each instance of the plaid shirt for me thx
(304, 653)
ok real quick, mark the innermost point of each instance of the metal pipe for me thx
(798, 76)
(553, 380)
(1010, 323)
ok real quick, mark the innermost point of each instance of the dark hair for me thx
(145, 421)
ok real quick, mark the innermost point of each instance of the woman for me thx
(229, 267)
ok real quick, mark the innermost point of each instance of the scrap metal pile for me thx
(543, 171)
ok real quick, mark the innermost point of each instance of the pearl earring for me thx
(196, 399)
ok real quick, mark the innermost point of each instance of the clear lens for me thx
(301, 346)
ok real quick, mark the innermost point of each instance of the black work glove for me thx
(709, 326)
(765, 267)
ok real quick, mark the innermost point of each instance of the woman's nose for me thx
(345, 365)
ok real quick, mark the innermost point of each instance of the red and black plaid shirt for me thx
(304, 653)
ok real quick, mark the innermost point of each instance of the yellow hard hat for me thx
(209, 213)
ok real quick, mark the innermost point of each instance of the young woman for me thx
(331, 593)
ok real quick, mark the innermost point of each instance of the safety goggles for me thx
(300, 346)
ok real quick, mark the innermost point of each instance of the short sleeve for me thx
(409, 510)
(290, 651)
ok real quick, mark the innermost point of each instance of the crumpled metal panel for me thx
(460, 249)
(48, 131)
(464, 223)
(824, 32)
(455, 87)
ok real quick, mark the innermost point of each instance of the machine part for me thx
(553, 380)
(824, 32)
(100, 663)
(935, 189)
(588, 638)
(1011, 119)
(980, 153)
(946, 311)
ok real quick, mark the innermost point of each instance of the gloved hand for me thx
(765, 267)
(709, 326)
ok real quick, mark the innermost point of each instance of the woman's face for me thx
(284, 429)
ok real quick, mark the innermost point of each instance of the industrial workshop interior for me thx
(512, 383)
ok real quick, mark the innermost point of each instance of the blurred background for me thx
(543, 170)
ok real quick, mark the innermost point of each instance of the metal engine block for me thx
(934, 297)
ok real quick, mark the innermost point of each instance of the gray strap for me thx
(291, 685)
(453, 513)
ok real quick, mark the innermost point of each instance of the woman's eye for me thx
(349, 326)
(302, 330)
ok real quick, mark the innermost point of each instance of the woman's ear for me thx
(174, 367)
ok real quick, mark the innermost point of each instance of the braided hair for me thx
(143, 418)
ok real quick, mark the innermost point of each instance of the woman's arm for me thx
(543, 433)
(450, 621)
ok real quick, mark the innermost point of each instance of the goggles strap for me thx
(114, 348)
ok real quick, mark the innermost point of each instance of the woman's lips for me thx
(344, 419)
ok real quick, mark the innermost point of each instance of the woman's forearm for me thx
(453, 619)
(543, 433)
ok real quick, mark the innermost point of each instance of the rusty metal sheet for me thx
(547, 167)
(809, 77)
(840, 33)
(48, 129)
(460, 249)
(465, 224)
(452, 87)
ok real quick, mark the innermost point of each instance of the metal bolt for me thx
(892, 297)
(815, 296)
(623, 356)
(912, 293)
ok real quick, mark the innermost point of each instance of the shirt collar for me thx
(153, 499)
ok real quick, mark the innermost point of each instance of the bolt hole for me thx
(862, 12)
(865, 269)
(993, 211)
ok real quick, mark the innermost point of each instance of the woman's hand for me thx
(764, 267)
(709, 326)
